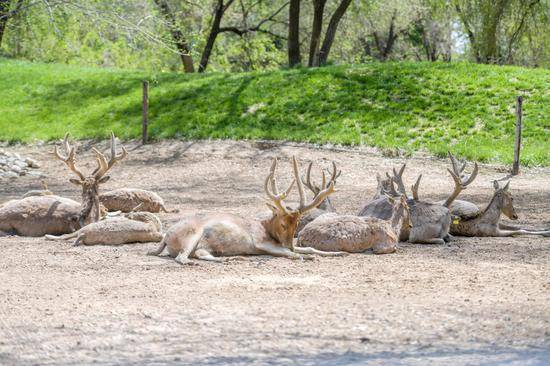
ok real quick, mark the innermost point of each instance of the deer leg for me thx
(513, 228)
(159, 250)
(309, 250)
(189, 246)
(384, 248)
(505, 233)
(205, 255)
(78, 240)
(278, 251)
(430, 241)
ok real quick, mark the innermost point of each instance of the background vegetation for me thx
(409, 74)
(408, 105)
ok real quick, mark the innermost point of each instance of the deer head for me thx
(282, 225)
(306, 181)
(505, 201)
(90, 183)
(400, 212)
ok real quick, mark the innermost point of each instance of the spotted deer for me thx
(210, 236)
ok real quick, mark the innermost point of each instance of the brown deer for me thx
(133, 227)
(91, 209)
(324, 207)
(430, 221)
(126, 199)
(486, 222)
(355, 234)
(39, 215)
(209, 236)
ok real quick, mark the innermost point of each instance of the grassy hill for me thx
(464, 107)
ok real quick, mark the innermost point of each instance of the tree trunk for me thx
(294, 57)
(4, 15)
(177, 35)
(331, 30)
(214, 31)
(318, 10)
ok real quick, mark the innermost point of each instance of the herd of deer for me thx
(313, 227)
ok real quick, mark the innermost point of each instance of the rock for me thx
(15, 168)
(32, 163)
(10, 174)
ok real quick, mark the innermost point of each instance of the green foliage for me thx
(464, 107)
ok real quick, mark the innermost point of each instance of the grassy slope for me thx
(408, 105)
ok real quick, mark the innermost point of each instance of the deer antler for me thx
(415, 186)
(334, 174)
(307, 181)
(70, 158)
(461, 180)
(398, 179)
(273, 194)
(103, 164)
(320, 197)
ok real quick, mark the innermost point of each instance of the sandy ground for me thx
(473, 301)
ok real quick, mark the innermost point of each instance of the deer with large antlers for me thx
(91, 211)
(325, 206)
(208, 237)
(430, 221)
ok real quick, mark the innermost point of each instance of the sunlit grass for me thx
(466, 108)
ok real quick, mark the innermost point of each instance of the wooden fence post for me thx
(517, 145)
(144, 111)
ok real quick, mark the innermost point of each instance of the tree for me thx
(494, 27)
(318, 55)
(6, 13)
(178, 36)
(294, 57)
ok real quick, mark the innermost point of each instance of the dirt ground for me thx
(473, 301)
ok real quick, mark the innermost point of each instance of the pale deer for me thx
(354, 234)
(91, 208)
(209, 236)
(133, 227)
(486, 222)
(324, 207)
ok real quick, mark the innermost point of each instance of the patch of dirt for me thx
(475, 300)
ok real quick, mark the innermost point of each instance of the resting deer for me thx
(91, 209)
(354, 234)
(430, 221)
(126, 199)
(133, 227)
(39, 192)
(486, 222)
(39, 215)
(325, 206)
(208, 236)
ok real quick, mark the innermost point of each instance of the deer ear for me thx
(506, 186)
(403, 199)
(495, 185)
(76, 182)
(104, 179)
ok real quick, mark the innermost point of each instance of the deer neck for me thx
(90, 195)
(493, 210)
(397, 218)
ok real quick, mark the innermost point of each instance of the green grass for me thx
(466, 108)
